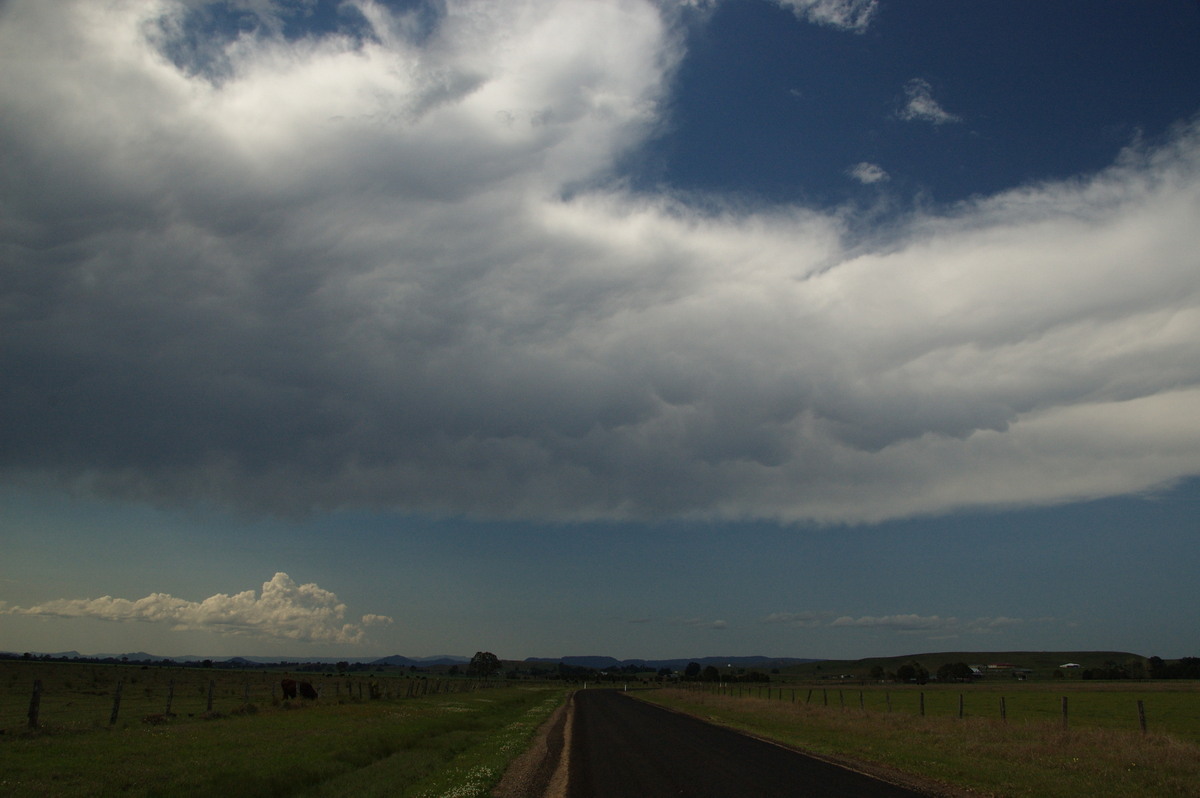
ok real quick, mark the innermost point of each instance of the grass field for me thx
(433, 745)
(1102, 752)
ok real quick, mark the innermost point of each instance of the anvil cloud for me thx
(394, 267)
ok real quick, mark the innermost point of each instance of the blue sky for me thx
(815, 328)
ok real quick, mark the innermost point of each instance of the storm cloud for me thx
(392, 266)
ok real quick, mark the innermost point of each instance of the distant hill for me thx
(421, 662)
(1041, 663)
(601, 663)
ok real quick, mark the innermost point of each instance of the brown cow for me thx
(289, 688)
(307, 691)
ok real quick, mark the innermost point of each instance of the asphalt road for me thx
(624, 748)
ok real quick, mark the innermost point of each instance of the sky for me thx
(643, 328)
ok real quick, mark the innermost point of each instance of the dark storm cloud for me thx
(346, 274)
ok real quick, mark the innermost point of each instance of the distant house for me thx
(1070, 665)
(1001, 666)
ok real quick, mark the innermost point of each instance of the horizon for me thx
(351, 326)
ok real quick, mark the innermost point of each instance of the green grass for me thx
(1103, 752)
(447, 744)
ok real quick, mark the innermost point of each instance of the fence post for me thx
(1003, 710)
(825, 696)
(861, 705)
(960, 706)
(1064, 711)
(170, 697)
(922, 705)
(35, 703)
(809, 699)
(112, 719)
(1141, 715)
(887, 696)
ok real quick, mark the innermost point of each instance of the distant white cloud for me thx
(852, 15)
(936, 624)
(920, 105)
(904, 622)
(867, 173)
(701, 623)
(798, 619)
(284, 610)
(389, 268)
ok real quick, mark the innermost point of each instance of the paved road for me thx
(624, 748)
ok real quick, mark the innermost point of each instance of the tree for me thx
(484, 664)
(692, 670)
(711, 674)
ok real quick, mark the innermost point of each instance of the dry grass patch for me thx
(1037, 759)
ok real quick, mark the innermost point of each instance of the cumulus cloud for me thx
(852, 15)
(921, 107)
(867, 173)
(284, 610)
(388, 267)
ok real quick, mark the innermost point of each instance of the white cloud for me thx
(902, 622)
(390, 270)
(939, 627)
(852, 15)
(284, 610)
(701, 623)
(802, 620)
(921, 107)
(867, 173)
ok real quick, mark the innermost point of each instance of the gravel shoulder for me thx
(541, 771)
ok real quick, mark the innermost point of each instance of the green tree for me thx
(692, 670)
(484, 664)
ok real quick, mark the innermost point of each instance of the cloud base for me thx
(395, 269)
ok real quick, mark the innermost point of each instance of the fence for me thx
(90, 699)
(1033, 706)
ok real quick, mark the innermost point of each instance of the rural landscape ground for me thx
(166, 729)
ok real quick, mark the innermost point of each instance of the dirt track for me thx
(605, 744)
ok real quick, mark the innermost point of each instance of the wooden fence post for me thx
(922, 705)
(1003, 710)
(861, 705)
(112, 719)
(887, 696)
(1141, 715)
(170, 697)
(35, 703)
(960, 706)
(809, 699)
(1064, 711)
(825, 696)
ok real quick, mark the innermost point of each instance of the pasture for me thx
(1100, 751)
(418, 737)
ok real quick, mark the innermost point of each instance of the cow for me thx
(292, 688)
